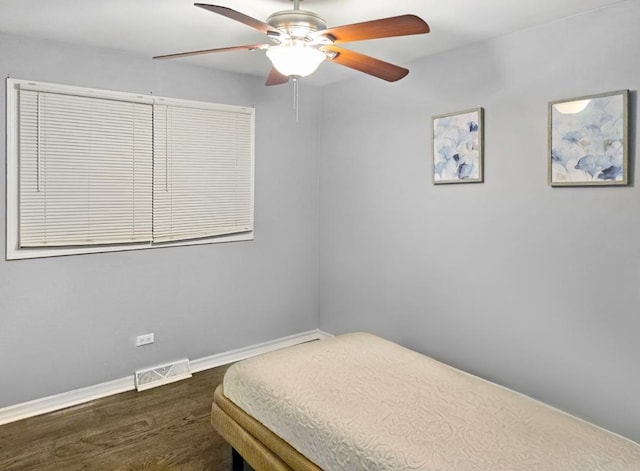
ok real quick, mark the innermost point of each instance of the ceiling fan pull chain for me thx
(295, 95)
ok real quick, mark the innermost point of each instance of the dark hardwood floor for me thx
(164, 428)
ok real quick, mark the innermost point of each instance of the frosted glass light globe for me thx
(295, 58)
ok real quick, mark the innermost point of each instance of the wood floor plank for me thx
(164, 428)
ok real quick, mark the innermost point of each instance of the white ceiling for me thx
(154, 27)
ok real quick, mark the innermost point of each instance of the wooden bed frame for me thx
(252, 442)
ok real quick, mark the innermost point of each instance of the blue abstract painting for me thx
(587, 143)
(457, 147)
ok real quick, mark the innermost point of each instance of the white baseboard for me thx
(225, 358)
(63, 400)
(90, 393)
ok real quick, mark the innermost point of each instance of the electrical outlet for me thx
(144, 339)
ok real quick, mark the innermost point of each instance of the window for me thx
(202, 172)
(85, 169)
(91, 171)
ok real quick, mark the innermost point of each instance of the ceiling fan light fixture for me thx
(295, 57)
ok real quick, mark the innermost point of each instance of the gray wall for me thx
(534, 287)
(70, 322)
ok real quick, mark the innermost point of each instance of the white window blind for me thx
(203, 172)
(93, 170)
(85, 170)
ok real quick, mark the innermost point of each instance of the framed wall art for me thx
(458, 147)
(588, 140)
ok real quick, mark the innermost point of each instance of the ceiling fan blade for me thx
(241, 17)
(251, 47)
(367, 64)
(276, 78)
(384, 28)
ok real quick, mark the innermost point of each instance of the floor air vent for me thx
(164, 374)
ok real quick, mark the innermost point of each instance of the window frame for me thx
(15, 252)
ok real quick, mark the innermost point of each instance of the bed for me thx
(359, 402)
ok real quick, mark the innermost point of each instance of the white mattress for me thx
(358, 402)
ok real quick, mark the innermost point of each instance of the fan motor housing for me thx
(297, 23)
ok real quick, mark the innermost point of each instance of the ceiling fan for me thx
(301, 41)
